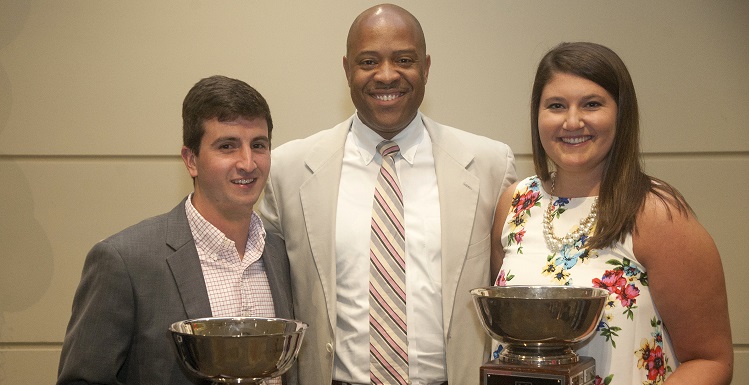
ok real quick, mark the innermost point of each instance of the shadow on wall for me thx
(26, 262)
(25, 251)
(26, 269)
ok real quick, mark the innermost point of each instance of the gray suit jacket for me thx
(300, 203)
(134, 285)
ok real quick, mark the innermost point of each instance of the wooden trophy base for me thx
(496, 372)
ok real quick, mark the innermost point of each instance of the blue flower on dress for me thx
(569, 256)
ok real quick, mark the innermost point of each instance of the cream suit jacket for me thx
(300, 203)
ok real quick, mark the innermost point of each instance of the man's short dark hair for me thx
(223, 98)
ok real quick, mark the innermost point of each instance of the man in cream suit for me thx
(319, 199)
(209, 256)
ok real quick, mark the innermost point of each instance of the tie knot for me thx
(388, 148)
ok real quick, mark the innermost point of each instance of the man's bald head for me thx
(385, 13)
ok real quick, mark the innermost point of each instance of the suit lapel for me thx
(277, 269)
(185, 265)
(319, 197)
(458, 192)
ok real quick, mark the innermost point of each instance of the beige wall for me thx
(90, 97)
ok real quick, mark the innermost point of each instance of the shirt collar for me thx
(209, 239)
(408, 139)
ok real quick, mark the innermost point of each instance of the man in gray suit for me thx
(209, 256)
(319, 198)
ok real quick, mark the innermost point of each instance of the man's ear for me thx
(190, 159)
(426, 68)
(346, 70)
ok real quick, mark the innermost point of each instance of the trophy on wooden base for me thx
(537, 327)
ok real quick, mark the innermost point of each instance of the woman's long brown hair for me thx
(625, 186)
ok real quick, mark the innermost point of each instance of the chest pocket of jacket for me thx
(480, 248)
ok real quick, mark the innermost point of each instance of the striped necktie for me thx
(388, 345)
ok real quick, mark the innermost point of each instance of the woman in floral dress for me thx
(591, 217)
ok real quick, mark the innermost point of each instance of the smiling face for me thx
(232, 168)
(576, 123)
(387, 69)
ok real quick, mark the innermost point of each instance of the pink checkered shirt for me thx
(236, 287)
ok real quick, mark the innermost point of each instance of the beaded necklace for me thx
(555, 243)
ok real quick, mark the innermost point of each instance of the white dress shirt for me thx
(415, 168)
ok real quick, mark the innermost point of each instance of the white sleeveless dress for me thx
(631, 345)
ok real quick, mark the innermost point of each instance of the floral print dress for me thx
(630, 345)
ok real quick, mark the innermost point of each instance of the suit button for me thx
(329, 347)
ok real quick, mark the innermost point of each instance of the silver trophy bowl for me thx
(539, 324)
(237, 349)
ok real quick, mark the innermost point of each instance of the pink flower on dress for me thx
(501, 281)
(525, 201)
(612, 281)
(627, 295)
